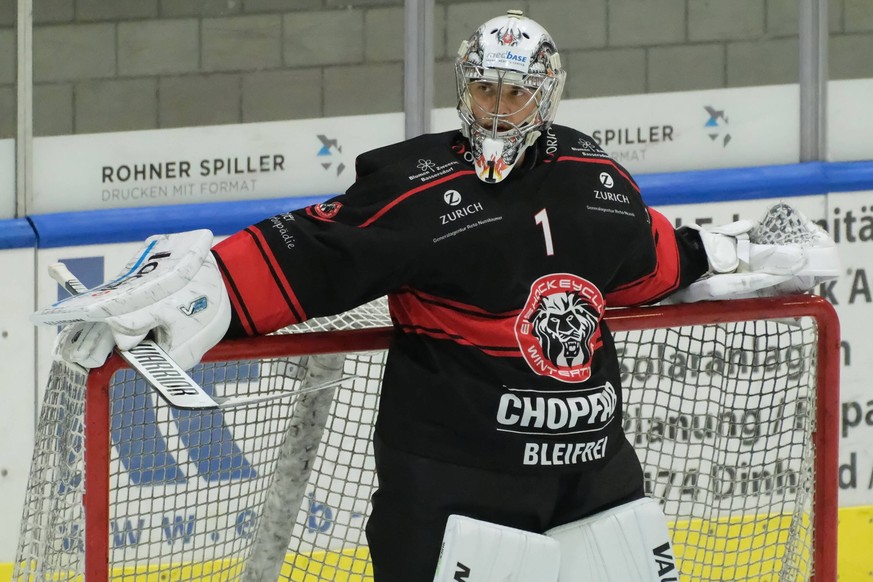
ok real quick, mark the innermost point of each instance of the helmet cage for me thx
(515, 58)
(497, 121)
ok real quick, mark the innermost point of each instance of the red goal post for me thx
(733, 407)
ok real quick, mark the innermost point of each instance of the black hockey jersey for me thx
(501, 358)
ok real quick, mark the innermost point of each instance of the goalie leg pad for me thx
(628, 542)
(487, 552)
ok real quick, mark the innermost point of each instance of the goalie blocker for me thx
(628, 542)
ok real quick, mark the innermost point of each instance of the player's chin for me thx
(501, 127)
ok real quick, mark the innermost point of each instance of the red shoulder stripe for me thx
(409, 193)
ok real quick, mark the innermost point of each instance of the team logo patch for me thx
(557, 327)
(327, 209)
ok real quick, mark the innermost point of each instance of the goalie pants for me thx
(416, 495)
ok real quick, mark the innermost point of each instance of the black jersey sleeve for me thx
(662, 260)
(331, 257)
(319, 260)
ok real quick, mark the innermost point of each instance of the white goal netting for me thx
(722, 415)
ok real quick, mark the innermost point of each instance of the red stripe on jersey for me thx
(260, 296)
(236, 304)
(458, 306)
(493, 333)
(663, 279)
(605, 162)
(409, 193)
(291, 297)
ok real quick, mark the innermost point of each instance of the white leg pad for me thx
(479, 551)
(628, 542)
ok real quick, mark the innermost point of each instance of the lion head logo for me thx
(557, 330)
(563, 323)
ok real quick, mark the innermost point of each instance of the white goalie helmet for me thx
(509, 80)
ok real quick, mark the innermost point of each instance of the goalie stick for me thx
(166, 377)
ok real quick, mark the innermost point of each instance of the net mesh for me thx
(51, 537)
(721, 416)
(782, 224)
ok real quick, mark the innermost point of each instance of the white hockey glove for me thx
(85, 343)
(171, 289)
(784, 253)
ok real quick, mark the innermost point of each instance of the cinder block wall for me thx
(114, 65)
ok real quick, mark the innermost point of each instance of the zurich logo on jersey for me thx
(452, 197)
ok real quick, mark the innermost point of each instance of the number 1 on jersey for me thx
(543, 219)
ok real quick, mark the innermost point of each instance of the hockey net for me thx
(731, 407)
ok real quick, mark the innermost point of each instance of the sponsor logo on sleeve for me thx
(327, 209)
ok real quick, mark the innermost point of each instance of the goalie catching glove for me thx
(171, 289)
(784, 253)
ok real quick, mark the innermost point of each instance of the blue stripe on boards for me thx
(223, 218)
(16, 233)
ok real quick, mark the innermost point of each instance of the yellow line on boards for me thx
(855, 561)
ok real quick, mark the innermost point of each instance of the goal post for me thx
(820, 391)
(732, 407)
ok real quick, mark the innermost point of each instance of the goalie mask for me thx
(509, 80)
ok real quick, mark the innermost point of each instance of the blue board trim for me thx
(135, 224)
(223, 218)
(753, 183)
(16, 233)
